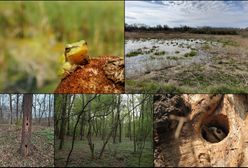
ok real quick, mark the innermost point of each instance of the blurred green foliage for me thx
(33, 35)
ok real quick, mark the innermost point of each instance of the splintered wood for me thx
(187, 140)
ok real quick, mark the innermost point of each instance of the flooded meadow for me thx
(186, 64)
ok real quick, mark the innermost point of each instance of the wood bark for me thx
(10, 106)
(134, 135)
(49, 110)
(26, 147)
(17, 107)
(119, 116)
(62, 125)
(89, 134)
(82, 121)
(114, 120)
(1, 110)
(70, 104)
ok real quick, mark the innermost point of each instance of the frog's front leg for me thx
(68, 69)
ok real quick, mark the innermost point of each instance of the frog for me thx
(74, 56)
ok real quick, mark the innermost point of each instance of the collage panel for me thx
(200, 130)
(124, 83)
(103, 130)
(26, 130)
(186, 46)
(62, 47)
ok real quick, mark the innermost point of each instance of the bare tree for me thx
(1, 109)
(134, 136)
(10, 106)
(70, 104)
(17, 106)
(75, 127)
(26, 146)
(49, 111)
(63, 117)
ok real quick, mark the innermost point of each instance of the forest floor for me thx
(115, 155)
(42, 139)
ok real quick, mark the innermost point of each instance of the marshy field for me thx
(186, 62)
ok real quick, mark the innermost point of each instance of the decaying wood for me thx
(192, 114)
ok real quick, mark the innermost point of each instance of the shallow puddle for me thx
(143, 56)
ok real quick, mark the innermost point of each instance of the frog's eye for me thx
(67, 49)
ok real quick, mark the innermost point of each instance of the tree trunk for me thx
(134, 135)
(17, 105)
(10, 106)
(57, 109)
(82, 121)
(201, 130)
(62, 126)
(89, 134)
(1, 110)
(75, 127)
(39, 112)
(113, 120)
(35, 117)
(44, 106)
(119, 116)
(70, 103)
(129, 122)
(26, 146)
(49, 111)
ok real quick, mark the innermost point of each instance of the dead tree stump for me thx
(225, 114)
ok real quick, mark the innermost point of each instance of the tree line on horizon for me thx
(184, 29)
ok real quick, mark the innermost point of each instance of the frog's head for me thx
(78, 48)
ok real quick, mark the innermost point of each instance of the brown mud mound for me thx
(91, 78)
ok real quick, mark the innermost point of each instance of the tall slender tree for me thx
(134, 135)
(17, 107)
(49, 110)
(10, 106)
(63, 117)
(26, 146)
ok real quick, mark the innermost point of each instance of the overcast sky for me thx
(190, 13)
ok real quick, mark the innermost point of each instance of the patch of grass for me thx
(151, 87)
(229, 42)
(174, 58)
(226, 89)
(160, 53)
(134, 53)
(169, 88)
(145, 160)
(116, 155)
(192, 53)
(47, 132)
(206, 47)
